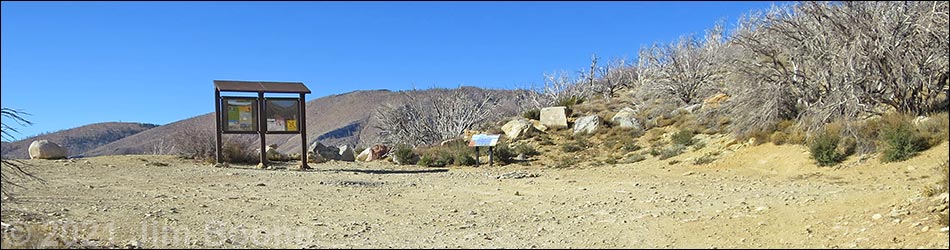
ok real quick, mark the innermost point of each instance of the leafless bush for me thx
(817, 62)
(195, 143)
(163, 147)
(199, 144)
(560, 86)
(446, 114)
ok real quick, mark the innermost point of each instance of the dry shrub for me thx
(590, 107)
(778, 138)
(653, 135)
(233, 151)
(565, 161)
(692, 123)
(622, 139)
(526, 150)
(634, 158)
(671, 151)
(683, 137)
(655, 112)
(705, 159)
(404, 155)
(571, 147)
(712, 121)
(787, 131)
(455, 153)
(935, 129)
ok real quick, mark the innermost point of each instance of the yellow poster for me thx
(291, 125)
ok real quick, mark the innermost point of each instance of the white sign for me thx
(483, 140)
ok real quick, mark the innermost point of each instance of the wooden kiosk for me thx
(260, 115)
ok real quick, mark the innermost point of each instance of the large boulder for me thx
(346, 153)
(375, 152)
(518, 128)
(44, 149)
(625, 118)
(327, 152)
(587, 124)
(554, 117)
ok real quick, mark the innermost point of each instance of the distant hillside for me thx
(334, 120)
(78, 140)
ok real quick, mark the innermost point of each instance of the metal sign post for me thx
(484, 140)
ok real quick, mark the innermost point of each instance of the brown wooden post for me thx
(261, 126)
(217, 125)
(302, 128)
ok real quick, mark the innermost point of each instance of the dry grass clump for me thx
(455, 153)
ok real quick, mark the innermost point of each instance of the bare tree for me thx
(11, 168)
(446, 114)
(614, 76)
(685, 69)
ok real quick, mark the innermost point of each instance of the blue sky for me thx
(74, 63)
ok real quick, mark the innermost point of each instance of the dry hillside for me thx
(78, 140)
(335, 120)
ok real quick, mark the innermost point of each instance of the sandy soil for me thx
(756, 197)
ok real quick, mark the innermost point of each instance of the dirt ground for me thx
(765, 196)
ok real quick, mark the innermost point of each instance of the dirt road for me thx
(758, 197)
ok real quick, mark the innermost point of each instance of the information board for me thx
(483, 140)
(282, 114)
(240, 114)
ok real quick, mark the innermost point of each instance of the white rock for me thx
(877, 216)
(44, 149)
(554, 117)
(587, 124)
